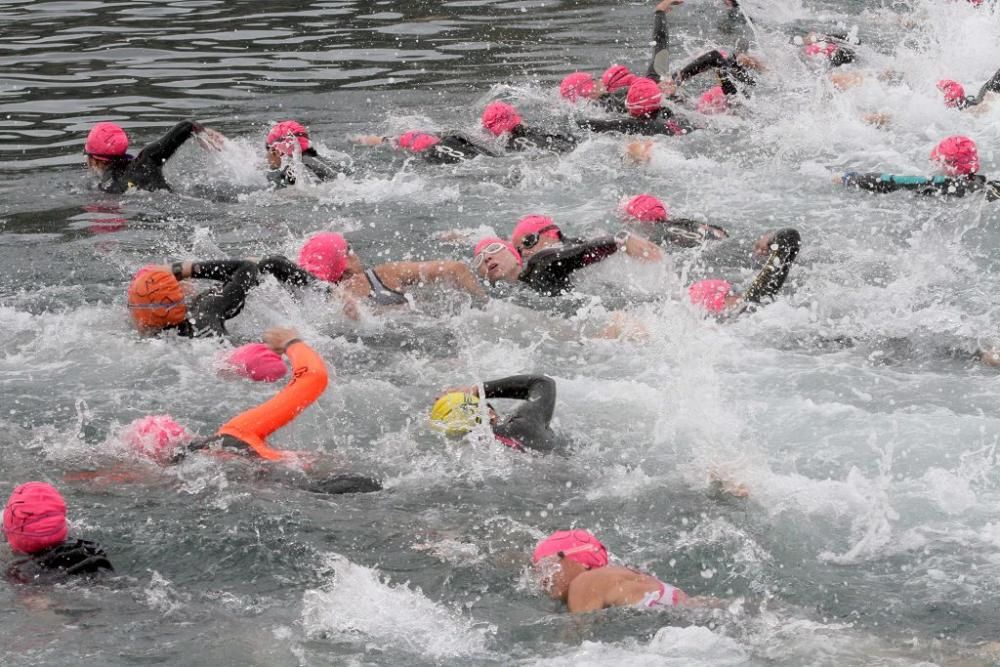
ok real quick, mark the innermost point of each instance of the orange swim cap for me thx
(156, 299)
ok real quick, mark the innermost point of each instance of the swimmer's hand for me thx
(367, 139)
(878, 120)
(639, 152)
(667, 5)
(846, 179)
(210, 139)
(749, 62)
(472, 390)
(278, 338)
(668, 86)
(350, 309)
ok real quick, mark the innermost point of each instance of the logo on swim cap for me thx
(455, 413)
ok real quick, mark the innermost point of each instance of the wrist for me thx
(177, 268)
(288, 344)
(621, 238)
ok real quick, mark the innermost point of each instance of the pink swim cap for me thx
(576, 85)
(34, 518)
(823, 49)
(280, 133)
(155, 437)
(953, 91)
(532, 224)
(710, 294)
(500, 118)
(578, 545)
(325, 256)
(713, 101)
(417, 142)
(643, 97)
(646, 208)
(489, 240)
(257, 362)
(957, 155)
(106, 141)
(617, 77)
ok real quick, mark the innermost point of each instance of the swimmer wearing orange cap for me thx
(158, 300)
(573, 566)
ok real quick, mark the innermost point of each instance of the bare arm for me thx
(397, 275)
(642, 249)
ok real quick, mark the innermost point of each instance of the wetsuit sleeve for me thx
(991, 86)
(285, 270)
(216, 269)
(784, 250)
(882, 183)
(455, 148)
(661, 41)
(523, 138)
(210, 310)
(703, 63)
(163, 148)
(309, 380)
(584, 254)
(529, 423)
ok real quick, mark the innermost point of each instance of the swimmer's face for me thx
(499, 265)
(273, 158)
(762, 247)
(354, 265)
(555, 574)
(94, 165)
(542, 243)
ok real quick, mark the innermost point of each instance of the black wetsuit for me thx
(528, 426)
(991, 86)
(286, 271)
(679, 232)
(523, 138)
(938, 186)
(71, 558)
(842, 55)
(454, 148)
(662, 121)
(614, 102)
(784, 249)
(321, 168)
(209, 310)
(548, 271)
(145, 170)
(733, 77)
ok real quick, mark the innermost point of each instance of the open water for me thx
(851, 409)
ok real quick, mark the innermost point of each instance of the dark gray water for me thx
(872, 529)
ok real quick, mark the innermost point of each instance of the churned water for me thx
(851, 409)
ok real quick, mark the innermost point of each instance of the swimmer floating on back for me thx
(457, 411)
(574, 567)
(107, 156)
(957, 156)
(34, 523)
(164, 441)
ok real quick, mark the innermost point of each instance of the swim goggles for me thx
(492, 248)
(529, 241)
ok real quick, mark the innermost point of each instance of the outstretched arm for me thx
(163, 148)
(397, 275)
(784, 248)
(661, 37)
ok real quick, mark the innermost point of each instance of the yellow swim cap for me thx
(455, 413)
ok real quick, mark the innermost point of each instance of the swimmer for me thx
(34, 523)
(548, 270)
(287, 141)
(649, 117)
(503, 122)
(158, 300)
(574, 567)
(446, 148)
(648, 216)
(457, 411)
(718, 297)
(957, 156)
(164, 441)
(735, 72)
(327, 257)
(107, 157)
(535, 233)
(831, 48)
(954, 93)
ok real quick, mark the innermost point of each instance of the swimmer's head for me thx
(710, 294)
(533, 233)
(617, 77)
(713, 101)
(156, 437)
(954, 93)
(820, 49)
(326, 255)
(156, 299)
(646, 208)
(281, 136)
(106, 142)
(496, 259)
(577, 85)
(563, 555)
(643, 98)
(418, 142)
(34, 518)
(455, 413)
(257, 362)
(500, 118)
(957, 156)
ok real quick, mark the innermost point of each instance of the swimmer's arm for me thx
(770, 279)
(307, 366)
(882, 183)
(623, 125)
(579, 255)
(397, 275)
(539, 392)
(285, 270)
(703, 63)
(215, 269)
(163, 148)
(642, 249)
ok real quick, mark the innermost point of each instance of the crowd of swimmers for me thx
(572, 565)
